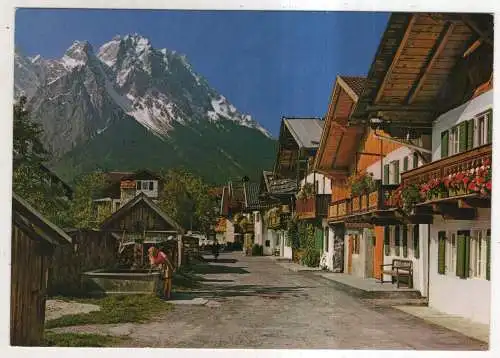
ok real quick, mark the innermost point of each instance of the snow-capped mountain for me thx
(84, 94)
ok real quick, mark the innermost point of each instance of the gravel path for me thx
(262, 305)
(58, 308)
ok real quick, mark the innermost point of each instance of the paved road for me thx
(262, 305)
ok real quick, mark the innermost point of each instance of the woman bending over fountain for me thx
(159, 259)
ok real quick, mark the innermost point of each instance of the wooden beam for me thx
(472, 48)
(482, 35)
(398, 53)
(400, 108)
(450, 210)
(441, 44)
(478, 202)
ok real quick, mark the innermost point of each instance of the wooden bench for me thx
(399, 268)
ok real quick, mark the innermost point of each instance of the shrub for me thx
(311, 258)
(257, 250)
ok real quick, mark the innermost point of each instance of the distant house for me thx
(298, 143)
(124, 186)
(33, 241)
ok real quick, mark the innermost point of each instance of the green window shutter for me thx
(396, 172)
(444, 143)
(405, 164)
(416, 242)
(397, 240)
(470, 134)
(405, 241)
(467, 253)
(415, 160)
(488, 255)
(319, 239)
(490, 126)
(441, 252)
(462, 134)
(387, 241)
(463, 254)
(386, 174)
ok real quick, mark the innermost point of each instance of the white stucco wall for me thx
(258, 226)
(324, 183)
(397, 154)
(327, 255)
(469, 298)
(462, 113)
(419, 265)
(272, 236)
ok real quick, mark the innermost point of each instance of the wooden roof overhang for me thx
(463, 207)
(425, 65)
(387, 217)
(339, 141)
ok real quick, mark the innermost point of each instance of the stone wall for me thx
(90, 250)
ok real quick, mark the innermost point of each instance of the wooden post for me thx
(180, 250)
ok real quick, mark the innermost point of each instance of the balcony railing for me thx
(444, 167)
(362, 204)
(313, 207)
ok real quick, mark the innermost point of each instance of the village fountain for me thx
(132, 274)
(136, 226)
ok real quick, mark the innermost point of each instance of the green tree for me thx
(83, 211)
(186, 198)
(27, 146)
(29, 180)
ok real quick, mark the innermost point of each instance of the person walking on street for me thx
(158, 258)
(215, 249)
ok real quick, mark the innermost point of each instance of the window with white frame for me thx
(481, 128)
(477, 263)
(394, 172)
(451, 254)
(454, 140)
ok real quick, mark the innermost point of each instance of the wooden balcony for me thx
(457, 204)
(450, 165)
(362, 208)
(314, 207)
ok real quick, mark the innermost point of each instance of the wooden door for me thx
(378, 252)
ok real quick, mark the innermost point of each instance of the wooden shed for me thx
(33, 242)
(141, 220)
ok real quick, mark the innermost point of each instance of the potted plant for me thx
(433, 189)
(410, 196)
(457, 183)
(481, 180)
(361, 184)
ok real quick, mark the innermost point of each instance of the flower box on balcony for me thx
(457, 191)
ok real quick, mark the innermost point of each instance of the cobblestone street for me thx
(256, 303)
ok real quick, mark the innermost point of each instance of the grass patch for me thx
(114, 309)
(79, 340)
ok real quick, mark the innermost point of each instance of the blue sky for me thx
(268, 64)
